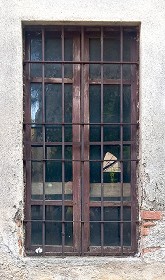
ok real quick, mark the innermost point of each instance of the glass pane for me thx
(95, 133)
(53, 100)
(37, 180)
(111, 103)
(127, 133)
(68, 152)
(95, 49)
(37, 153)
(68, 104)
(36, 47)
(36, 233)
(68, 56)
(127, 234)
(53, 213)
(69, 234)
(95, 228)
(111, 234)
(111, 132)
(54, 152)
(53, 171)
(111, 164)
(53, 133)
(111, 48)
(36, 133)
(111, 71)
(126, 152)
(95, 167)
(126, 172)
(36, 102)
(53, 46)
(36, 70)
(68, 173)
(36, 212)
(127, 72)
(95, 103)
(128, 38)
(68, 213)
(68, 133)
(94, 71)
(111, 213)
(53, 70)
(53, 233)
(126, 104)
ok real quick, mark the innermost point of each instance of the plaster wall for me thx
(150, 15)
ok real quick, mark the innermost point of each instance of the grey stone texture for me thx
(150, 15)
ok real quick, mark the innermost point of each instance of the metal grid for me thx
(80, 203)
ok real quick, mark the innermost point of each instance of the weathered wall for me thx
(151, 176)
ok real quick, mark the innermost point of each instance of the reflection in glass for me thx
(53, 99)
(37, 180)
(37, 153)
(36, 102)
(111, 71)
(36, 133)
(36, 47)
(111, 103)
(54, 152)
(53, 133)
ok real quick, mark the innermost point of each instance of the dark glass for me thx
(127, 72)
(68, 172)
(53, 213)
(68, 56)
(53, 100)
(95, 228)
(126, 171)
(111, 48)
(53, 46)
(36, 102)
(126, 152)
(36, 233)
(95, 112)
(111, 103)
(128, 38)
(111, 213)
(53, 171)
(53, 70)
(54, 152)
(68, 103)
(127, 234)
(36, 47)
(53, 233)
(68, 152)
(68, 133)
(111, 71)
(36, 70)
(127, 133)
(94, 55)
(126, 103)
(111, 132)
(111, 234)
(36, 133)
(68, 213)
(69, 234)
(95, 167)
(37, 153)
(36, 212)
(53, 133)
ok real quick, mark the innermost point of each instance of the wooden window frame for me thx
(80, 143)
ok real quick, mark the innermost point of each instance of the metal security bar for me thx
(80, 139)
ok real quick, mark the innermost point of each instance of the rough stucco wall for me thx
(151, 181)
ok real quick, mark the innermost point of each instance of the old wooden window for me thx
(80, 127)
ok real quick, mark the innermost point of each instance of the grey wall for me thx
(151, 173)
